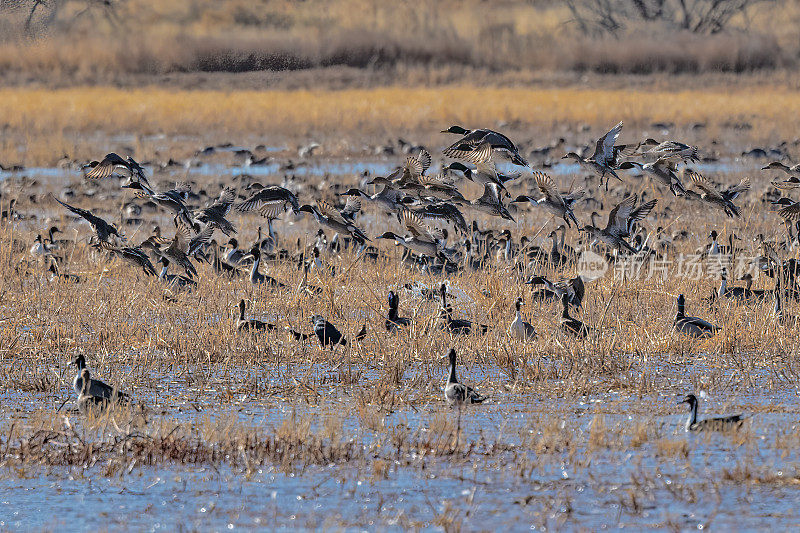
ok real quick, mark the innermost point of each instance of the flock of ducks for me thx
(416, 198)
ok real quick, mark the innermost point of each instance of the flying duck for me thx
(552, 201)
(468, 147)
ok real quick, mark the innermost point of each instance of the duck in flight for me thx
(468, 148)
(606, 156)
(551, 200)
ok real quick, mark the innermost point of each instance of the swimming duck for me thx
(570, 325)
(95, 386)
(468, 148)
(721, 199)
(519, 329)
(270, 201)
(327, 333)
(393, 321)
(553, 201)
(726, 423)
(456, 393)
(251, 324)
(690, 325)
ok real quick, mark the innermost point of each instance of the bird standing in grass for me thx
(519, 329)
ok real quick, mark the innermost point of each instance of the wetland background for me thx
(268, 431)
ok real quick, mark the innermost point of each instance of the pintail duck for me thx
(552, 201)
(182, 245)
(668, 151)
(490, 203)
(690, 325)
(435, 187)
(270, 201)
(339, 221)
(393, 321)
(444, 211)
(620, 223)
(483, 173)
(251, 324)
(793, 171)
(571, 325)
(215, 214)
(573, 288)
(133, 255)
(220, 266)
(55, 272)
(327, 333)
(721, 199)
(424, 240)
(458, 326)
(468, 148)
(662, 171)
(389, 198)
(94, 387)
(519, 329)
(39, 248)
(456, 393)
(413, 168)
(235, 257)
(605, 158)
(256, 277)
(726, 423)
(171, 200)
(175, 282)
(101, 228)
(113, 162)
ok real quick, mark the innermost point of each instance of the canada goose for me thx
(520, 329)
(690, 325)
(456, 326)
(112, 162)
(270, 201)
(668, 151)
(251, 324)
(456, 393)
(327, 333)
(662, 171)
(490, 202)
(171, 200)
(721, 199)
(620, 222)
(553, 201)
(570, 325)
(605, 157)
(214, 215)
(726, 423)
(328, 216)
(101, 228)
(87, 401)
(393, 321)
(468, 147)
(96, 387)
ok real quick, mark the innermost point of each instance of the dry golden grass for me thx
(44, 125)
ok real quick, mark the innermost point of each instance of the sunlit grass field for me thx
(41, 126)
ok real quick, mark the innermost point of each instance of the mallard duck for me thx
(725, 423)
(456, 393)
